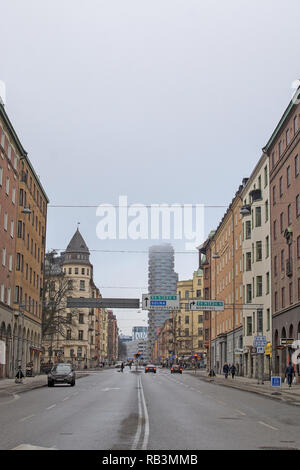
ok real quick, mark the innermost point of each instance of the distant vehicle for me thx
(61, 373)
(175, 369)
(150, 368)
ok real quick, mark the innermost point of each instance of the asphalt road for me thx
(114, 410)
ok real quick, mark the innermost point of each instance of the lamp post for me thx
(215, 256)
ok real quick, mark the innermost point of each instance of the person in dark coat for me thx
(226, 370)
(233, 371)
(289, 372)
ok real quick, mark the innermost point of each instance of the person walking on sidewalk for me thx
(226, 370)
(289, 372)
(233, 371)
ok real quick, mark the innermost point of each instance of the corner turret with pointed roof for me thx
(77, 251)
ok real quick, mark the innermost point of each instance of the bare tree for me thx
(56, 318)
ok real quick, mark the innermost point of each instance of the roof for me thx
(77, 244)
(291, 106)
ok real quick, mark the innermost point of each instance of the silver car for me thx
(61, 373)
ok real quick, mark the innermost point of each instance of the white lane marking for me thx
(67, 398)
(50, 407)
(108, 389)
(31, 447)
(241, 413)
(268, 425)
(26, 417)
(140, 419)
(146, 432)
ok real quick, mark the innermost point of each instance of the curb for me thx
(245, 388)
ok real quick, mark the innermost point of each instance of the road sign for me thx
(80, 302)
(160, 302)
(259, 341)
(260, 350)
(275, 381)
(286, 341)
(211, 305)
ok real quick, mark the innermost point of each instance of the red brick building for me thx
(283, 150)
(11, 151)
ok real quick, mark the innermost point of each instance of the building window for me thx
(282, 297)
(291, 292)
(274, 195)
(295, 124)
(259, 321)
(275, 266)
(187, 319)
(280, 187)
(200, 318)
(296, 165)
(258, 216)
(267, 246)
(200, 331)
(268, 320)
(282, 260)
(80, 334)
(258, 251)
(249, 293)
(288, 176)
(249, 326)
(81, 318)
(289, 214)
(267, 283)
(297, 205)
(275, 229)
(258, 286)
(248, 229)
(266, 211)
(76, 270)
(266, 175)
(287, 137)
(248, 261)
(281, 222)
(82, 270)
(298, 246)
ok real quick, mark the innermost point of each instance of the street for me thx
(132, 411)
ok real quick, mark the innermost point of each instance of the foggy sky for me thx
(165, 101)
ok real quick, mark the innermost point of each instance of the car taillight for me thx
(146, 368)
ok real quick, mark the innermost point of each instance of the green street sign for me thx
(211, 305)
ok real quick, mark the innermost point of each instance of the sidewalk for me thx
(286, 394)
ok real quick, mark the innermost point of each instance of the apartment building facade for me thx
(283, 151)
(257, 318)
(226, 283)
(74, 340)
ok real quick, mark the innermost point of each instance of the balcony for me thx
(289, 268)
(255, 195)
(245, 210)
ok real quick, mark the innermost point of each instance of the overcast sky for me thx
(165, 101)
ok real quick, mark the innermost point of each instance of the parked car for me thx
(61, 373)
(175, 369)
(150, 368)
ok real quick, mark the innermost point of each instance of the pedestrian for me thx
(226, 370)
(122, 366)
(233, 370)
(289, 372)
(19, 375)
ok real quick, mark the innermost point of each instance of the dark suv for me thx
(61, 373)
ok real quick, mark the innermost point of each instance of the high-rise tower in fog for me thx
(162, 279)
